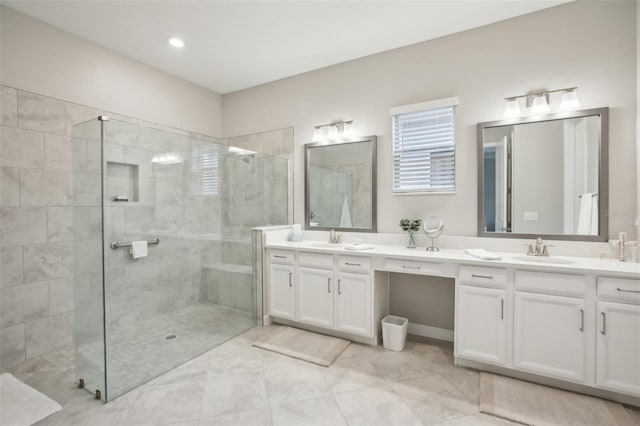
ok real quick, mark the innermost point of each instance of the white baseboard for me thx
(432, 332)
(266, 320)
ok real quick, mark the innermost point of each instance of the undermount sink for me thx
(326, 245)
(543, 259)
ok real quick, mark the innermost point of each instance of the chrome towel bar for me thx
(115, 244)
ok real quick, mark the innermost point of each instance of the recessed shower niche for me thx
(122, 182)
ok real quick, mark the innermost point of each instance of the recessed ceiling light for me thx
(176, 42)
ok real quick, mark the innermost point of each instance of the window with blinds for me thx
(424, 147)
(205, 170)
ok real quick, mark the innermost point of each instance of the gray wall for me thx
(481, 66)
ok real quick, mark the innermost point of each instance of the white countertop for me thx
(580, 264)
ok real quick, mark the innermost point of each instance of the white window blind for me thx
(205, 170)
(424, 147)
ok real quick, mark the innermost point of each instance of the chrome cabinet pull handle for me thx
(339, 283)
(489, 277)
(290, 279)
(501, 309)
(604, 323)
(329, 285)
(411, 267)
(582, 320)
(279, 256)
(627, 291)
(352, 264)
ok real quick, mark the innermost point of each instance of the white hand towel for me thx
(584, 216)
(483, 254)
(594, 215)
(345, 216)
(139, 249)
(358, 247)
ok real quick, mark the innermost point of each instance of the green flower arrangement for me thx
(410, 224)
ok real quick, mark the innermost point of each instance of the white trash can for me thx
(394, 332)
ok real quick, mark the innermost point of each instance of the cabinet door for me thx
(353, 304)
(281, 290)
(481, 330)
(618, 356)
(314, 297)
(549, 335)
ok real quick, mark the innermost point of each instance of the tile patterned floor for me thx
(237, 384)
(135, 355)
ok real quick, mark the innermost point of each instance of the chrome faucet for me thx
(540, 248)
(334, 238)
(621, 243)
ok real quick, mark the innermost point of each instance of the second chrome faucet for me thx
(540, 248)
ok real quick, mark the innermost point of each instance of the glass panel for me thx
(87, 255)
(139, 317)
(196, 288)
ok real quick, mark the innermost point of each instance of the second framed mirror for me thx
(340, 185)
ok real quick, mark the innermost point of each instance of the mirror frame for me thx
(603, 174)
(374, 186)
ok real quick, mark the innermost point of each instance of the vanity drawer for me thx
(549, 283)
(480, 276)
(355, 264)
(315, 260)
(282, 257)
(619, 289)
(413, 267)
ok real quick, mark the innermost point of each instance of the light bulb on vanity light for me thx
(540, 105)
(333, 134)
(318, 135)
(176, 42)
(347, 130)
(569, 101)
(513, 109)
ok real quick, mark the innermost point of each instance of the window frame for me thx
(452, 102)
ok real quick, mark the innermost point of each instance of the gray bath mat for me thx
(539, 405)
(305, 345)
(22, 405)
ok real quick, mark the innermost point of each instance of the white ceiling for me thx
(232, 45)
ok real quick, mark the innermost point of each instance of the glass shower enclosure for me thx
(194, 201)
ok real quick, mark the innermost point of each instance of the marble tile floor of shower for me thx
(137, 354)
(237, 384)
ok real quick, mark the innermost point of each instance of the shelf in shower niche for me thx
(122, 182)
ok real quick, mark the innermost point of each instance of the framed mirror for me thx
(544, 176)
(340, 185)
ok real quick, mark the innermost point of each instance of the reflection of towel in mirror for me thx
(345, 216)
(588, 215)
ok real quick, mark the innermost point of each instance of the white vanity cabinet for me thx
(480, 327)
(618, 335)
(281, 284)
(333, 292)
(353, 298)
(550, 332)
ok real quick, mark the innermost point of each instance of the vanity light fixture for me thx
(569, 100)
(538, 102)
(513, 108)
(334, 131)
(540, 105)
(176, 42)
(166, 158)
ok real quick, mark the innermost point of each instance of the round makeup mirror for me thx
(433, 227)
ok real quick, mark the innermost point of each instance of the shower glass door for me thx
(194, 201)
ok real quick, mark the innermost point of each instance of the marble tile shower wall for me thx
(37, 159)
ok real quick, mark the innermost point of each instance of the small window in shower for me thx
(206, 171)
